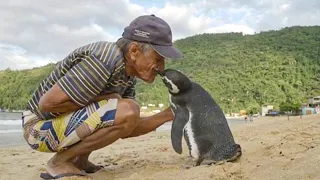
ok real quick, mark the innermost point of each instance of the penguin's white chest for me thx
(194, 151)
(170, 101)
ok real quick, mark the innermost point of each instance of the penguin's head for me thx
(176, 81)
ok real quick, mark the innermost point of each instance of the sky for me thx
(34, 33)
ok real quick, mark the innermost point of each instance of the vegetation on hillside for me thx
(240, 72)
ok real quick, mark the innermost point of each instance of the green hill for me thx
(240, 72)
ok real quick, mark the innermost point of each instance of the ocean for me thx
(11, 131)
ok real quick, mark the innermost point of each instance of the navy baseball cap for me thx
(154, 31)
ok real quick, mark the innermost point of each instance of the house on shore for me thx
(312, 107)
(265, 109)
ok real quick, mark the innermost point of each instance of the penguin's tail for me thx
(236, 153)
(226, 153)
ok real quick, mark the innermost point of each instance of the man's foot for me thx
(86, 165)
(57, 169)
(92, 168)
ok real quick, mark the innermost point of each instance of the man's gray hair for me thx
(123, 44)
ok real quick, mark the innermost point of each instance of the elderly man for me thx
(88, 100)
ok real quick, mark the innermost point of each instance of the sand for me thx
(273, 148)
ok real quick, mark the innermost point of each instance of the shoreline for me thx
(11, 134)
(13, 137)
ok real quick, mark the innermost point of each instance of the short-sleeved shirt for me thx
(88, 71)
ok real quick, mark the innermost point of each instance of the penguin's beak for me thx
(158, 71)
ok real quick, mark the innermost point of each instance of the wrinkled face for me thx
(145, 61)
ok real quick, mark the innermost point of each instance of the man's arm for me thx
(56, 100)
(107, 96)
(78, 87)
(151, 123)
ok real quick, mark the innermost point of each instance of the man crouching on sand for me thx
(87, 102)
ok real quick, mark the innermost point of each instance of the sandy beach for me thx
(273, 148)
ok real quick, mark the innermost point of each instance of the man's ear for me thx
(134, 51)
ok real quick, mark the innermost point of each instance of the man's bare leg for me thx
(126, 121)
(144, 126)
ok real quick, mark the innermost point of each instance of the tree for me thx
(289, 108)
(240, 72)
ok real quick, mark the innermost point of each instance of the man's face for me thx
(145, 62)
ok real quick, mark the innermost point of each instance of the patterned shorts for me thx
(58, 134)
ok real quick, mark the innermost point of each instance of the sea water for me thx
(11, 132)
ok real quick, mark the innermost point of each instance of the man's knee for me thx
(127, 115)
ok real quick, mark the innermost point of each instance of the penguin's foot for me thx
(186, 166)
(189, 164)
(209, 162)
(235, 157)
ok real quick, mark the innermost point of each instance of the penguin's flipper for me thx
(180, 120)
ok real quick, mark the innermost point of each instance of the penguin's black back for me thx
(209, 125)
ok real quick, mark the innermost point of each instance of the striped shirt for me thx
(88, 71)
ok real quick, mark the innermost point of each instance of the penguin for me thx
(200, 120)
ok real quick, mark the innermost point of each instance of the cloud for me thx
(231, 28)
(17, 58)
(182, 19)
(36, 32)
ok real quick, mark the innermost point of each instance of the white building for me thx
(314, 101)
(265, 109)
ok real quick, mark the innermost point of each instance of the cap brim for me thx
(169, 52)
